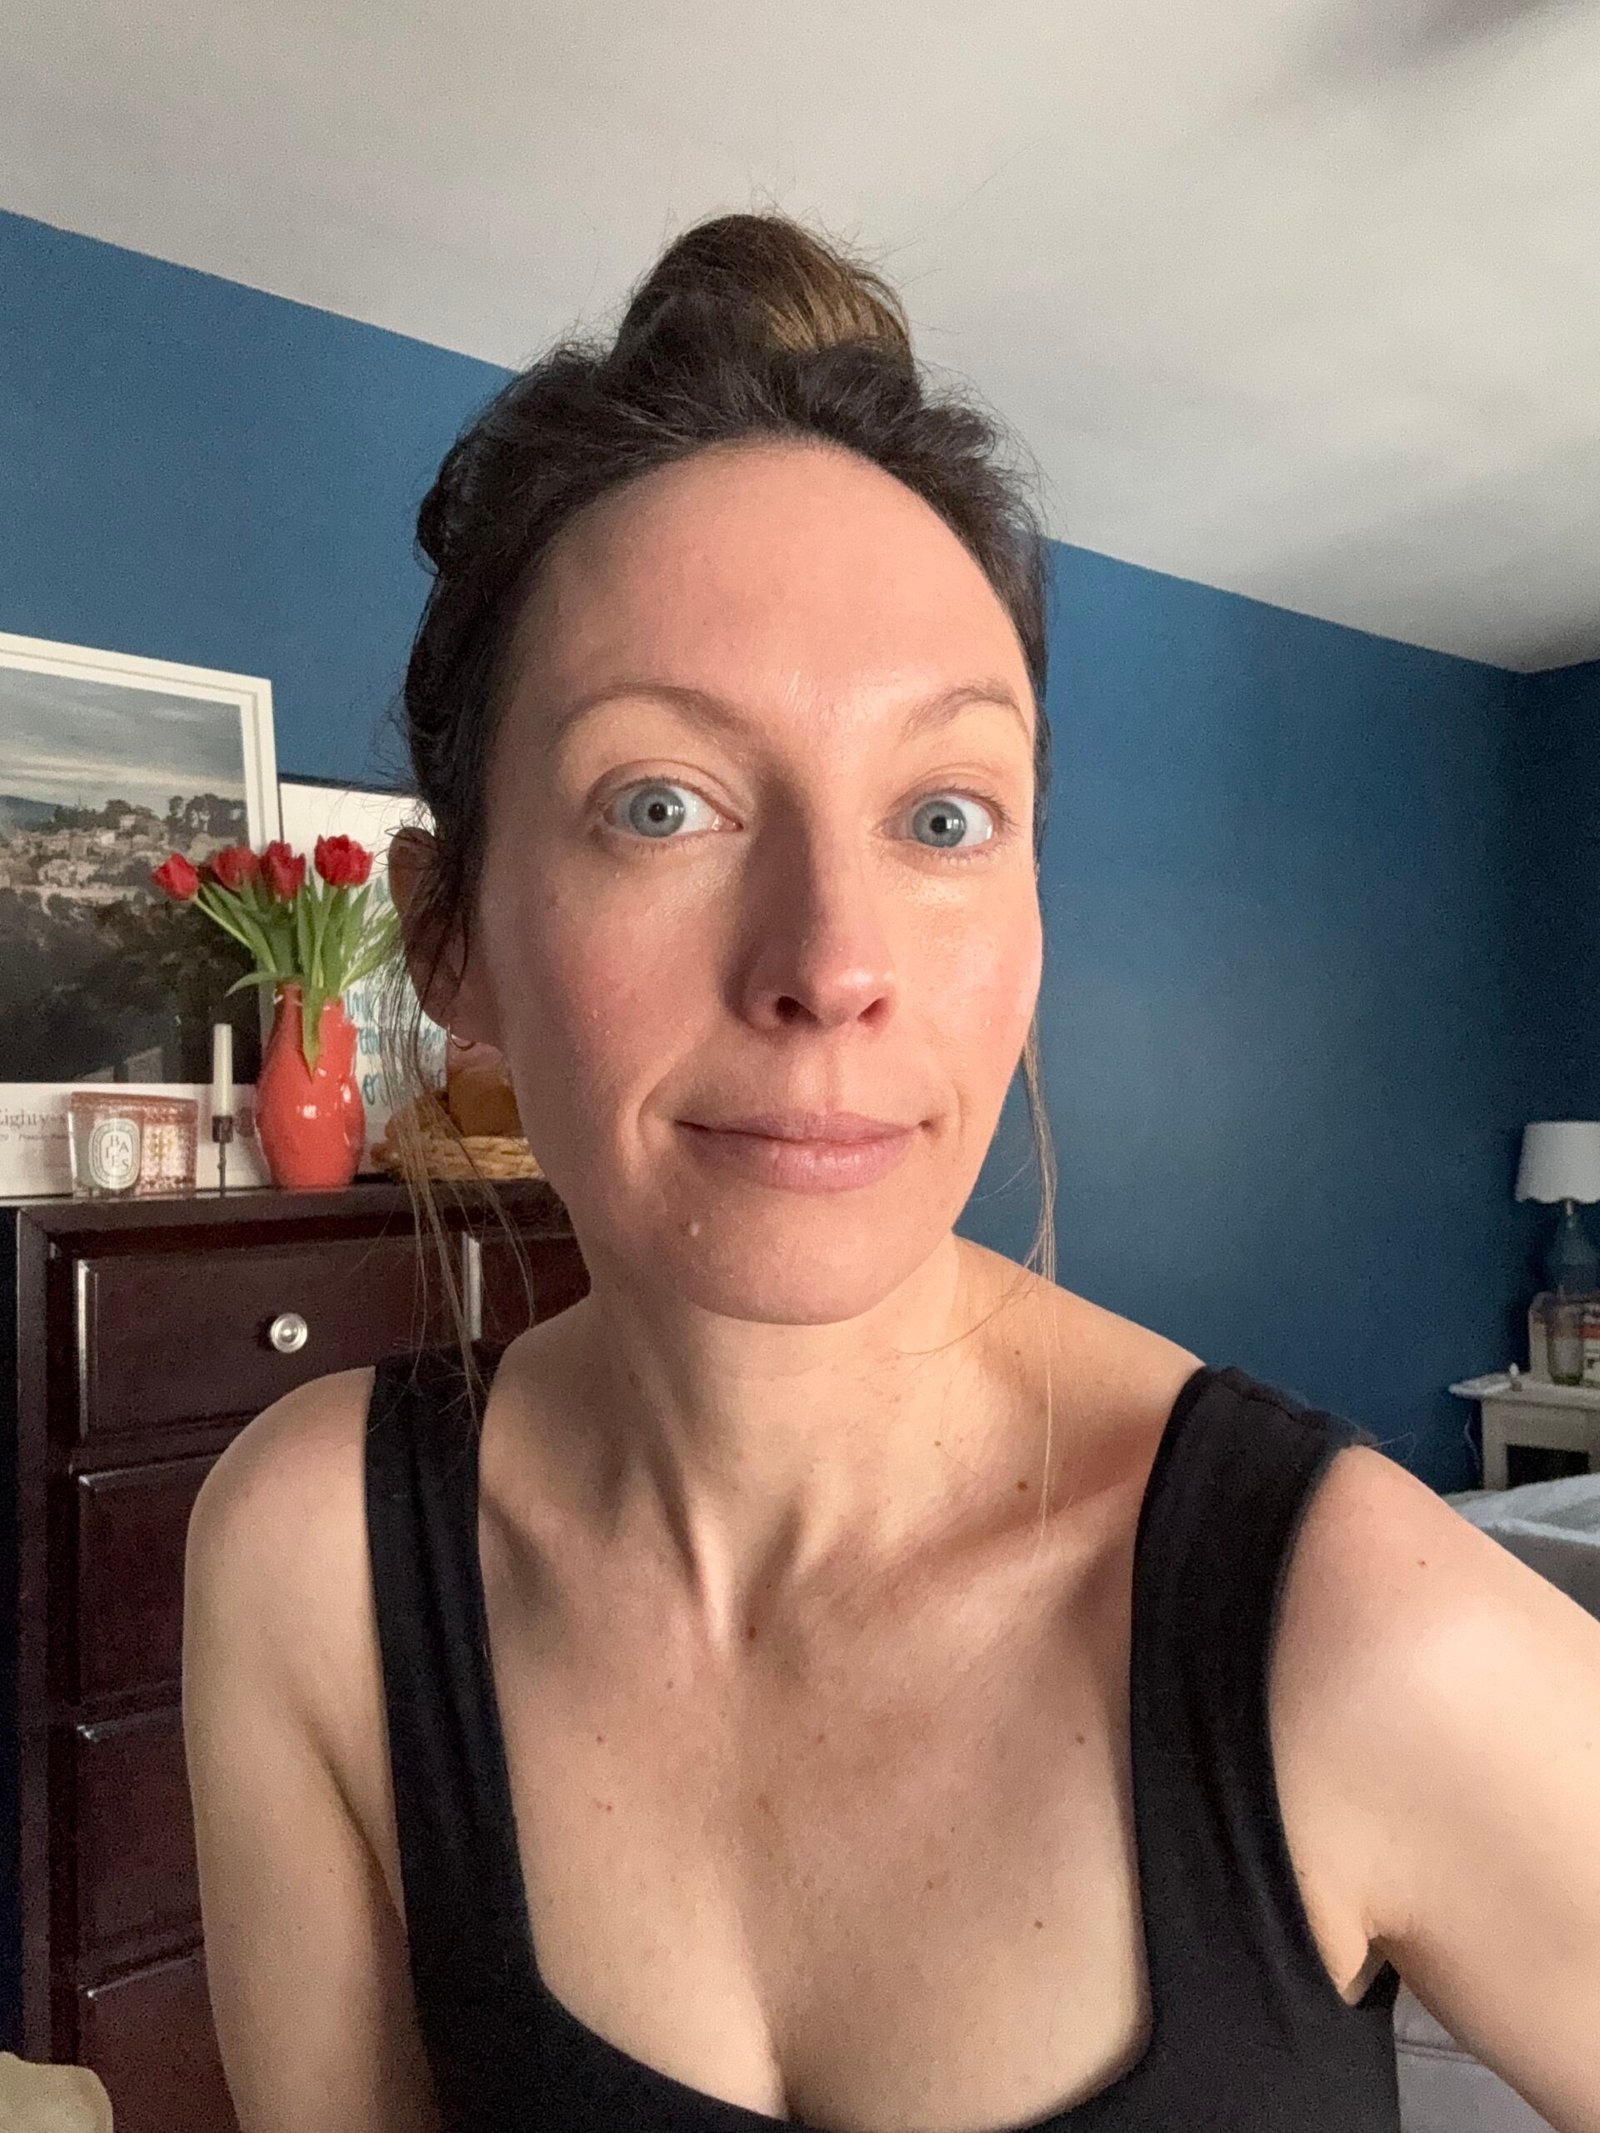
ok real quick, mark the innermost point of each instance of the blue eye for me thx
(654, 809)
(948, 814)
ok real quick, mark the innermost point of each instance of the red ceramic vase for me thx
(312, 1125)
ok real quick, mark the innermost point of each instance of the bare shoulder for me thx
(1369, 1538)
(277, 1538)
(1399, 1623)
(319, 1413)
(1386, 1574)
(1382, 1565)
(306, 1957)
(296, 1466)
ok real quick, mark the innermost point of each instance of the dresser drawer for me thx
(148, 2036)
(136, 1872)
(132, 1524)
(169, 1337)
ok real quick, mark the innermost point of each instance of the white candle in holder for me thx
(221, 1070)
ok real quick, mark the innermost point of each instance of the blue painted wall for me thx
(1559, 919)
(1285, 939)
(193, 470)
(1296, 884)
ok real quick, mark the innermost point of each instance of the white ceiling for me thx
(1296, 297)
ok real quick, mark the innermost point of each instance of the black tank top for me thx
(1249, 2032)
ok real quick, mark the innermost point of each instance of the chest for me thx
(888, 1881)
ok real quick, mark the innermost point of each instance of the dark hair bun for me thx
(762, 279)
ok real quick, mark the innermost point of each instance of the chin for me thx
(813, 1265)
(785, 1298)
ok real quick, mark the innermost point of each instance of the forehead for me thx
(799, 569)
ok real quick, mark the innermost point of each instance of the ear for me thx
(449, 983)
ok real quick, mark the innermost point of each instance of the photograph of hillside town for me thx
(102, 978)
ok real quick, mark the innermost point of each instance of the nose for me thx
(821, 950)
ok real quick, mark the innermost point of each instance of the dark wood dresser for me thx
(146, 1335)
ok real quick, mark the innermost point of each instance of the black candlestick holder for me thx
(222, 1134)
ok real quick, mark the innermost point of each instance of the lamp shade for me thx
(1560, 1160)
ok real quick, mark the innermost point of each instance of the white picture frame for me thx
(107, 761)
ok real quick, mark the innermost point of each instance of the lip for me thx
(834, 1164)
(835, 1127)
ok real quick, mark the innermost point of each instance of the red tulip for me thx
(342, 863)
(177, 877)
(283, 871)
(235, 865)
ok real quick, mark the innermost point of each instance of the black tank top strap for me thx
(1234, 1476)
(466, 1920)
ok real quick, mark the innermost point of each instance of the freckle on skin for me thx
(1080, 1740)
(750, 1632)
(1022, 1484)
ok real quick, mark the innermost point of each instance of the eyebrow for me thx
(703, 708)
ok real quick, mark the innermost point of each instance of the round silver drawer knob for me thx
(288, 1332)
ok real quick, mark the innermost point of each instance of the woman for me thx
(919, 1697)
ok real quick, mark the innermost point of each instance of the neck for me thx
(762, 1459)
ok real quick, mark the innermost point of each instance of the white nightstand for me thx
(1526, 1410)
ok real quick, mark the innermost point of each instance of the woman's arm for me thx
(1442, 1705)
(305, 1957)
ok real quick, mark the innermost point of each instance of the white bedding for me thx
(1552, 1526)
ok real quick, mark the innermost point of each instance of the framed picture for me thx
(371, 814)
(108, 762)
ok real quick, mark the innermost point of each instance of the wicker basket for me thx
(422, 1141)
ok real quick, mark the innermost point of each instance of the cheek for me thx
(987, 987)
(594, 983)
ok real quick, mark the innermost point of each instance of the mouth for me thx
(817, 1128)
(803, 1153)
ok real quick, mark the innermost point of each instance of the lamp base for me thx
(1572, 1265)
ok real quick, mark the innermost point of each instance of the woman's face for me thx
(759, 841)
